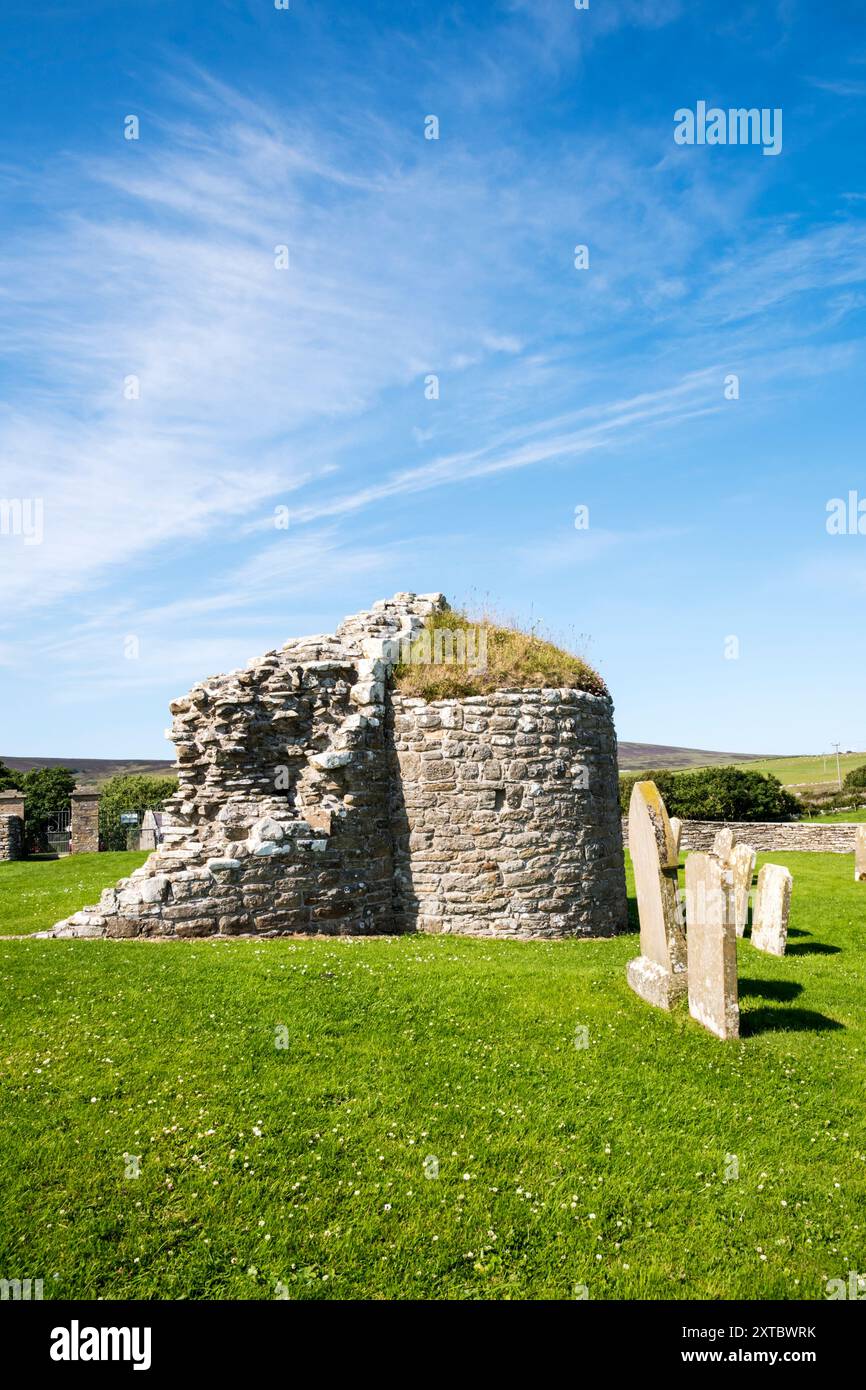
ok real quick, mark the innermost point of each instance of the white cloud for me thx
(257, 384)
(840, 87)
(602, 425)
(209, 629)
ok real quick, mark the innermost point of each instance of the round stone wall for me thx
(506, 819)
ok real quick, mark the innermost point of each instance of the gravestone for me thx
(712, 945)
(860, 854)
(723, 844)
(743, 858)
(772, 906)
(676, 831)
(658, 974)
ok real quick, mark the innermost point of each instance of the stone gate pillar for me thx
(11, 825)
(84, 838)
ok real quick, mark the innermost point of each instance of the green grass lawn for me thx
(846, 816)
(36, 893)
(301, 1170)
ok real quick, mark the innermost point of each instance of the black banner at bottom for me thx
(83, 1339)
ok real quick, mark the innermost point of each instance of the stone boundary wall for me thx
(506, 816)
(770, 837)
(11, 837)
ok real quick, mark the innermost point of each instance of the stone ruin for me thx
(315, 798)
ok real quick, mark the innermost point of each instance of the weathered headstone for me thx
(658, 974)
(712, 945)
(723, 844)
(860, 854)
(772, 906)
(743, 858)
(676, 831)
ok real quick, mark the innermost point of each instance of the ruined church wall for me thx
(310, 799)
(506, 815)
(280, 821)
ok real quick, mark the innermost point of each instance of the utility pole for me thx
(838, 767)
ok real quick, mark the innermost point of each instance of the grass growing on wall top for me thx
(515, 659)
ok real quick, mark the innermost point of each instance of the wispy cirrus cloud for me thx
(579, 549)
(596, 427)
(840, 86)
(255, 385)
(137, 641)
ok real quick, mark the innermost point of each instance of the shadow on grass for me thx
(770, 1020)
(633, 917)
(811, 948)
(807, 947)
(770, 989)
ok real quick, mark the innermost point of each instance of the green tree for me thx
(46, 794)
(9, 780)
(855, 779)
(137, 793)
(718, 793)
(729, 793)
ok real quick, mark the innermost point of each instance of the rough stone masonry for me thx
(11, 825)
(314, 798)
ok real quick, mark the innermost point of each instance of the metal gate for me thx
(59, 832)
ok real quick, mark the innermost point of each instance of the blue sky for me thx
(305, 388)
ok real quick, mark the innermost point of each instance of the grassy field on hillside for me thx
(416, 1118)
(36, 893)
(806, 771)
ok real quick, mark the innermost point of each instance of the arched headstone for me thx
(658, 974)
(723, 844)
(772, 906)
(742, 862)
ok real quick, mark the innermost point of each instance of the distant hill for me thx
(799, 771)
(642, 757)
(633, 757)
(95, 770)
